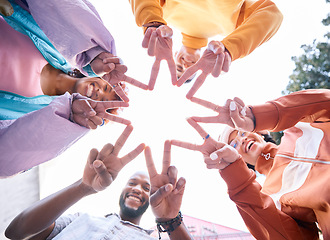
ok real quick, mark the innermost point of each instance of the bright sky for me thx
(160, 114)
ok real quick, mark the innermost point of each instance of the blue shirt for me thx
(83, 226)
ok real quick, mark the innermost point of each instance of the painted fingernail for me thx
(214, 156)
(232, 106)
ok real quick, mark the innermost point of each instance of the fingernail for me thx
(243, 112)
(232, 106)
(167, 188)
(97, 164)
(214, 156)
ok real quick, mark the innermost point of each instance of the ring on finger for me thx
(207, 136)
(102, 122)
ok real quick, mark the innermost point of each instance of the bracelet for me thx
(170, 225)
(152, 24)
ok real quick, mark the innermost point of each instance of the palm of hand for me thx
(113, 165)
(166, 206)
(207, 62)
(92, 179)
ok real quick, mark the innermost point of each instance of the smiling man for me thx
(134, 199)
(44, 219)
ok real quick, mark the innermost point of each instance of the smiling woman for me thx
(248, 144)
(55, 82)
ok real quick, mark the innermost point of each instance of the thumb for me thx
(102, 172)
(157, 197)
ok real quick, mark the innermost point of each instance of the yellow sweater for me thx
(245, 25)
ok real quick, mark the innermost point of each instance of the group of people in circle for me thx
(60, 75)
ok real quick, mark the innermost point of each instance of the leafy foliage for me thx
(312, 69)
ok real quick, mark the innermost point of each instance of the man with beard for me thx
(43, 221)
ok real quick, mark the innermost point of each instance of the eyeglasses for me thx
(235, 142)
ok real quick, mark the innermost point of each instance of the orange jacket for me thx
(245, 25)
(296, 192)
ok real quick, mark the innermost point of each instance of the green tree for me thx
(312, 69)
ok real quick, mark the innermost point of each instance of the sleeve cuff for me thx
(193, 42)
(266, 116)
(237, 176)
(84, 58)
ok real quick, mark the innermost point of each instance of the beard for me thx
(129, 212)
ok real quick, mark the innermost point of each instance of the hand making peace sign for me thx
(90, 113)
(159, 44)
(226, 154)
(103, 167)
(214, 60)
(166, 191)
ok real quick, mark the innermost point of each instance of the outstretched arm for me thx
(257, 22)
(276, 115)
(147, 11)
(100, 171)
(39, 219)
(166, 194)
(258, 210)
(284, 112)
(85, 43)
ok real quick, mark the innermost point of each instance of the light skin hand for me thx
(223, 61)
(89, 113)
(214, 60)
(208, 147)
(103, 167)
(166, 191)
(222, 157)
(159, 43)
(234, 113)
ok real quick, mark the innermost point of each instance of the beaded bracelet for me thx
(169, 226)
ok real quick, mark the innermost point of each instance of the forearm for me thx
(306, 106)
(40, 216)
(258, 210)
(257, 23)
(81, 45)
(29, 136)
(146, 11)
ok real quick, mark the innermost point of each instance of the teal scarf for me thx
(13, 106)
